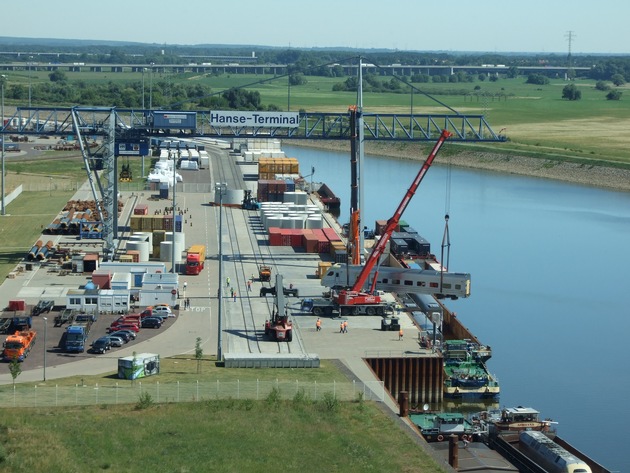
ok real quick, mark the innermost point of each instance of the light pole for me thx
(30, 62)
(45, 338)
(151, 88)
(175, 157)
(143, 71)
(2, 80)
(220, 187)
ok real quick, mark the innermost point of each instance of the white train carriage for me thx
(420, 281)
(548, 454)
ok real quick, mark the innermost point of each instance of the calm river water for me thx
(550, 267)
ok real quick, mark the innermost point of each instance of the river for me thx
(550, 266)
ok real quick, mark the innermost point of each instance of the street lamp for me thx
(220, 187)
(45, 338)
(143, 71)
(30, 62)
(3, 78)
(151, 88)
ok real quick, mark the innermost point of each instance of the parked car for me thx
(118, 325)
(151, 322)
(116, 341)
(130, 334)
(125, 326)
(124, 336)
(101, 345)
(162, 310)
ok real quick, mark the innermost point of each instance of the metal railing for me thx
(127, 392)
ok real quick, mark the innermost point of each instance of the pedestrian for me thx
(253, 277)
(341, 327)
(400, 334)
(465, 440)
(345, 326)
(227, 281)
(249, 286)
(318, 324)
(188, 302)
(234, 295)
(178, 293)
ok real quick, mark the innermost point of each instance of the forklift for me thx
(279, 328)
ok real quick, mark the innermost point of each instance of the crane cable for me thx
(446, 238)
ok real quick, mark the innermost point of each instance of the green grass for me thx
(221, 436)
(32, 211)
(22, 225)
(210, 435)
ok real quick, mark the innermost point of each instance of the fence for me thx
(127, 392)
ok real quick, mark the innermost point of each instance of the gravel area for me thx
(584, 174)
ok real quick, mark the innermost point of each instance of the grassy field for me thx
(535, 117)
(211, 435)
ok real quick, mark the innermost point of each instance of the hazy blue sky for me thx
(455, 25)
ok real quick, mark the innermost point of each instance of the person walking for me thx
(318, 325)
(188, 302)
(234, 295)
(345, 326)
(227, 281)
(341, 327)
(249, 286)
(400, 334)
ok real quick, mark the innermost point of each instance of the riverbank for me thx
(577, 173)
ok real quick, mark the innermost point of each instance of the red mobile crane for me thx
(354, 295)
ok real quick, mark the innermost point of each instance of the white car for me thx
(162, 311)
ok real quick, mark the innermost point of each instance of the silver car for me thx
(116, 341)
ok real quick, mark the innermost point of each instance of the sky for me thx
(420, 25)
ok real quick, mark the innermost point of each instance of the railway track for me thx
(242, 259)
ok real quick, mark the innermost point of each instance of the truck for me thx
(264, 273)
(328, 306)
(75, 336)
(195, 259)
(18, 346)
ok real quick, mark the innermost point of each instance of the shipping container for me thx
(175, 120)
(141, 209)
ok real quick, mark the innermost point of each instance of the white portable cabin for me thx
(139, 366)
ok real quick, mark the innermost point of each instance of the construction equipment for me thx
(355, 296)
(264, 273)
(125, 174)
(249, 202)
(279, 327)
(18, 346)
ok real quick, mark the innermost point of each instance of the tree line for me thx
(307, 61)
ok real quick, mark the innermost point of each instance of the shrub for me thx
(145, 400)
(614, 95)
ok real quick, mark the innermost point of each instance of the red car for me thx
(123, 325)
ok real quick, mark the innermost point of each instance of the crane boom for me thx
(392, 223)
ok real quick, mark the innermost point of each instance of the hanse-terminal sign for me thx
(255, 119)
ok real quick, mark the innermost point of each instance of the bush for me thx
(602, 85)
(614, 95)
(145, 400)
(537, 79)
(330, 402)
(571, 92)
